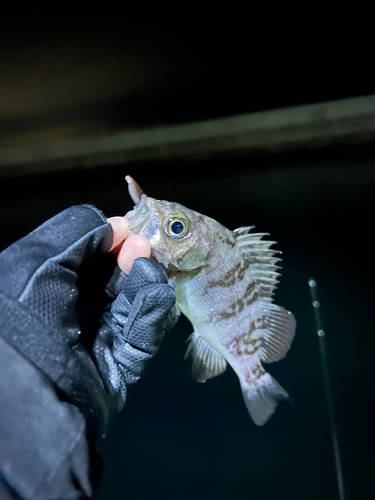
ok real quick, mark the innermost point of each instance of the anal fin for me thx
(207, 363)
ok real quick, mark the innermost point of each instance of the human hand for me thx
(73, 328)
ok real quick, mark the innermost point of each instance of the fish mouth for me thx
(138, 217)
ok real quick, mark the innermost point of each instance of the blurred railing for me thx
(315, 125)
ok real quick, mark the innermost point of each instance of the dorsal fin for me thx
(261, 259)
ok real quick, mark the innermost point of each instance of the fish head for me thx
(177, 234)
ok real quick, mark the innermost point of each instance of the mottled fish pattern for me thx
(224, 282)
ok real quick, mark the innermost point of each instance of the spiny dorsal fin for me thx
(207, 363)
(261, 259)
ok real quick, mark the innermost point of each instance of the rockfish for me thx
(224, 282)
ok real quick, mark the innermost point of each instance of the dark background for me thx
(177, 438)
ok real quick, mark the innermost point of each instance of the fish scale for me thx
(224, 282)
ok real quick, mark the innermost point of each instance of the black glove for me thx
(73, 334)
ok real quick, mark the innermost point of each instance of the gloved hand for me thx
(74, 334)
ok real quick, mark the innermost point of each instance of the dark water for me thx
(179, 439)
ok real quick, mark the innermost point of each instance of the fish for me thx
(224, 283)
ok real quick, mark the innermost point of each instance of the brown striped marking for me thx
(237, 273)
(230, 242)
(259, 371)
(244, 344)
(237, 307)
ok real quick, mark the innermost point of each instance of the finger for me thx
(134, 247)
(120, 230)
(144, 328)
(144, 272)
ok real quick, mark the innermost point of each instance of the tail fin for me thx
(261, 399)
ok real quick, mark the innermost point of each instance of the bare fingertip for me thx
(134, 247)
(120, 227)
(118, 221)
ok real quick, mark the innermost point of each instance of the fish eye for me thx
(176, 225)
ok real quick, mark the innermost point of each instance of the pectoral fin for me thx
(207, 363)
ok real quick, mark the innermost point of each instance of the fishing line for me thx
(328, 387)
